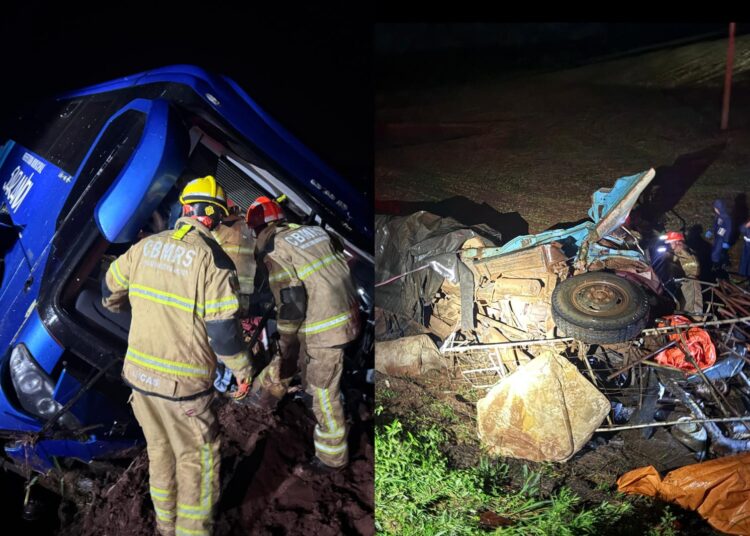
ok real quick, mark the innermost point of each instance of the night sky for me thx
(310, 69)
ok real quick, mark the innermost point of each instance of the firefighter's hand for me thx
(243, 387)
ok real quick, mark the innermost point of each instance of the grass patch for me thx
(416, 492)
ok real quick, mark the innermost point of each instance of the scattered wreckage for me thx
(567, 329)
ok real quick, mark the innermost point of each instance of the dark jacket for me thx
(721, 232)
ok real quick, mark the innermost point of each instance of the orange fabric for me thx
(698, 341)
(719, 490)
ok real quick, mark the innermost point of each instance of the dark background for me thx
(410, 55)
(308, 67)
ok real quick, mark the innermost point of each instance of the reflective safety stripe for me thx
(326, 407)
(279, 276)
(287, 327)
(180, 233)
(237, 362)
(207, 470)
(159, 493)
(190, 532)
(237, 250)
(325, 325)
(338, 434)
(222, 304)
(246, 279)
(330, 450)
(308, 269)
(184, 509)
(164, 515)
(166, 365)
(193, 513)
(165, 298)
(121, 279)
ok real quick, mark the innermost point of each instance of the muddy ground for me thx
(523, 152)
(261, 495)
(446, 401)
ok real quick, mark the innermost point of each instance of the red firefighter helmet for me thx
(674, 236)
(262, 212)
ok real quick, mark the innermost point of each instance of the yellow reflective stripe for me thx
(193, 516)
(206, 474)
(180, 233)
(239, 250)
(287, 327)
(183, 530)
(221, 304)
(338, 434)
(186, 508)
(327, 411)
(330, 450)
(166, 365)
(159, 493)
(165, 298)
(121, 279)
(237, 361)
(325, 325)
(308, 269)
(279, 276)
(164, 515)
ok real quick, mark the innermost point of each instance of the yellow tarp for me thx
(545, 411)
(719, 490)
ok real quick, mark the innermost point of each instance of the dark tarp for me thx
(422, 239)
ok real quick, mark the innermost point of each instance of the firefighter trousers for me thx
(183, 454)
(321, 378)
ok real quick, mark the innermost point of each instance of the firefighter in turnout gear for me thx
(685, 266)
(317, 316)
(182, 289)
(238, 243)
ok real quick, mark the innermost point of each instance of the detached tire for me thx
(599, 308)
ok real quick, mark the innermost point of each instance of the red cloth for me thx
(698, 341)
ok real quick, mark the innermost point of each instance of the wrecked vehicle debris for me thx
(585, 294)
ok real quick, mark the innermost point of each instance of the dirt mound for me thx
(261, 494)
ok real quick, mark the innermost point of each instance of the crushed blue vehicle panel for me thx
(135, 195)
(609, 210)
(244, 114)
(40, 457)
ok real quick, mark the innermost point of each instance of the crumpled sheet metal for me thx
(406, 243)
(545, 411)
(408, 356)
(719, 490)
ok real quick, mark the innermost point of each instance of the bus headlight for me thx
(34, 388)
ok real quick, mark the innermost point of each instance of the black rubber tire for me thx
(599, 308)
